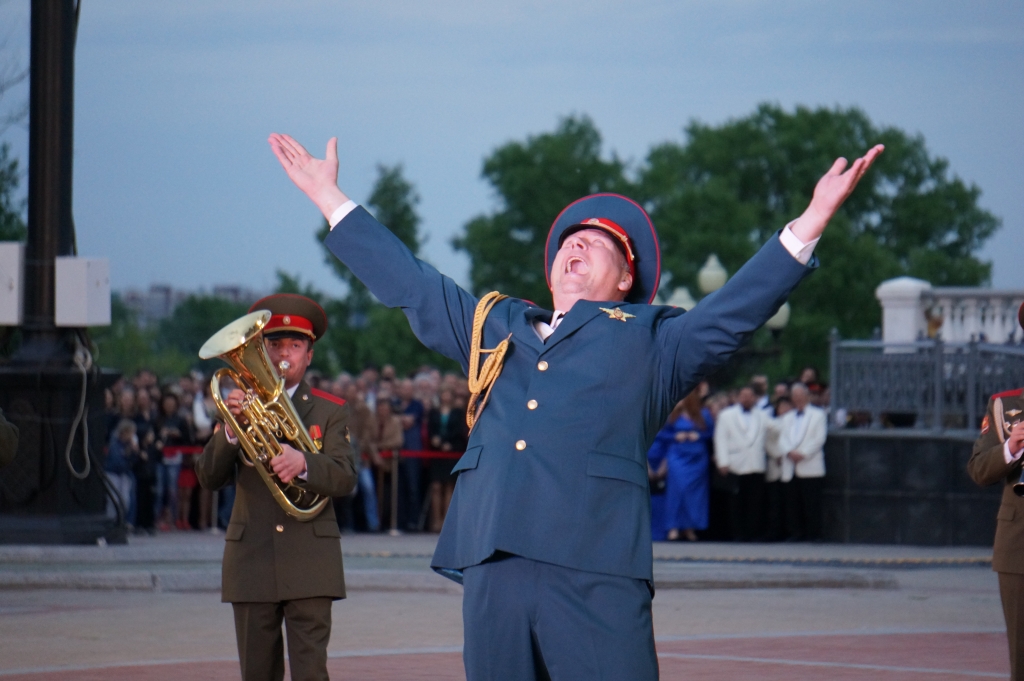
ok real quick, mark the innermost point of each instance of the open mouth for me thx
(576, 265)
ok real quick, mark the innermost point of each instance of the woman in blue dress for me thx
(680, 455)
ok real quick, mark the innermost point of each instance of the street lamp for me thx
(681, 298)
(777, 322)
(712, 276)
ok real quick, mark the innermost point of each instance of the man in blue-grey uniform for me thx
(549, 526)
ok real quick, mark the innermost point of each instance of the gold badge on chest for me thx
(616, 313)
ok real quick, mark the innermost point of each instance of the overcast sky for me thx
(175, 183)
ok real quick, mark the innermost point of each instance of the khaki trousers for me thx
(260, 645)
(1011, 590)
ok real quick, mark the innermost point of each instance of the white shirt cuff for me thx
(791, 242)
(341, 211)
(1007, 456)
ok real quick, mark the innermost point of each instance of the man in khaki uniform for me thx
(997, 458)
(277, 568)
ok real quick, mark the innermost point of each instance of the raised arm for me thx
(704, 338)
(317, 178)
(439, 311)
(830, 192)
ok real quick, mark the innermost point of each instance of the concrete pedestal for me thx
(41, 500)
(905, 487)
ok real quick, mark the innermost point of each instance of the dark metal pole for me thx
(53, 491)
(51, 228)
(835, 373)
(940, 389)
(973, 363)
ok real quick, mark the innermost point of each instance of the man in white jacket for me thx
(774, 489)
(740, 455)
(801, 449)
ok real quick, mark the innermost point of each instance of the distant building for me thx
(160, 301)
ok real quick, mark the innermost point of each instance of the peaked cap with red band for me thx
(292, 313)
(632, 229)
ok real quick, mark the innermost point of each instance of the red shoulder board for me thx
(1010, 393)
(327, 396)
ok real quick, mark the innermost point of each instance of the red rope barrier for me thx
(421, 454)
(386, 454)
(182, 449)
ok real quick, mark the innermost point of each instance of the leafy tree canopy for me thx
(393, 202)
(727, 189)
(127, 347)
(12, 226)
(361, 330)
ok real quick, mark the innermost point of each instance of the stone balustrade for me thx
(912, 309)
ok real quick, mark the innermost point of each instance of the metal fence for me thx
(929, 384)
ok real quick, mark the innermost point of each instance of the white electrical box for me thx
(12, 282)
(83, 291)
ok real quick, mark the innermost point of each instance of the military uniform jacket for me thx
(988, 467)
(268, 556)
(555, 469)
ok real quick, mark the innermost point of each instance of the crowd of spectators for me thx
(717, 469)
(744, 464)
(407, 433)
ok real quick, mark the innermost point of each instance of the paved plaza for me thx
(151, 611)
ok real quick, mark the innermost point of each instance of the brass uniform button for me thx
(521, 445)
(279, 528)
(542, 366)
(305, 397)
(531, 405)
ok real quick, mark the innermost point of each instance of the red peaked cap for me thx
(632, 228)
(292, 314)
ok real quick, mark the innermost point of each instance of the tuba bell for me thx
(270, 416)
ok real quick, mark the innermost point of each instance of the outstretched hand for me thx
(830, 193)
(317, 178)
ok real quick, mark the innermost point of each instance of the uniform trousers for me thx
(1011, 591)
(533, 621)
(260, 645)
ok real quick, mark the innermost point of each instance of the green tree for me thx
(361, 330)
(194, 320)
(127, 347)
(534, 181)
(726, 189)
(393, 202)
(12, 226)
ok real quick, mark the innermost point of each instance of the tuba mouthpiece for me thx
(284, 365)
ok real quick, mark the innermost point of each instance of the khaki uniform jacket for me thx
(268, 556)
(988, 467)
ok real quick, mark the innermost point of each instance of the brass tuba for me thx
(268, 410)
